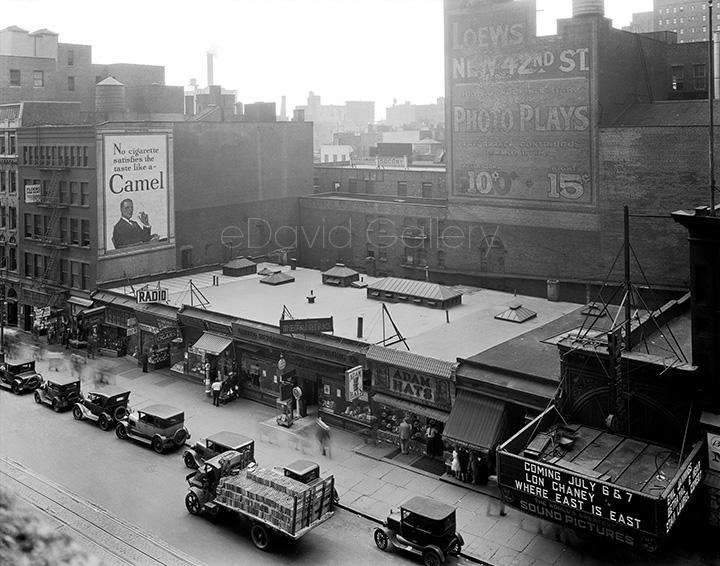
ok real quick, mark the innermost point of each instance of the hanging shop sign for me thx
(165, 335)
(354, 383)
(151, 295)
(306, 325)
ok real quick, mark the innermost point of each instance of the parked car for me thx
(59, 391)
(220, 442)
(106, 406)
(423, 527)
(161, 426)
(19, 377)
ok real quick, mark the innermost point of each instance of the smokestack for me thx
(282, 108)
(210, 78)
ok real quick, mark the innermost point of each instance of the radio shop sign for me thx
(604, 509)
(151, 295)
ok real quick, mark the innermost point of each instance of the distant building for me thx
(327, 119)
(407, 114)
(687, 18)
(642, 22)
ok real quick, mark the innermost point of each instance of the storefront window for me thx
(389, 419)
(261, 374)
(332, 399)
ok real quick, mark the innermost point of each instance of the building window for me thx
(85, 275)
(699, 77)
(3, 182)
(71, 58)
(316, 185)
(336, 186)
(64, 273)
(74, 192)
(3, 144)
(13, 258)
(677, 77)
(63, 230)
(370, 187)
(14, 77)
(38, 79)
(75, 231)
(28, 265)
(3, 217)
(12, 217)
(28, 225)
(352, 185)
(402, 188)
(37, 226)
(62, 192)
(84, 194)
(85, 233)
(38, 270)
(427, 190)
(12, 139)
(75, 275)
(71, 84)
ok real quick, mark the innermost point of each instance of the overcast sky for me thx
(377, 50)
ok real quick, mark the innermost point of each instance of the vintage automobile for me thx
(59, 391)
(160, 426)
(19, 377)
(423, 527)
(220, 442)
(106, 406)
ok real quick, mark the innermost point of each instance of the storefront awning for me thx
(212, 343)
(79, 301)
(410, 407)
(475, 420)
(85, 313)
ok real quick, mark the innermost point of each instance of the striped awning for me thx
(476, 421)
(212, 343)
(410, 407)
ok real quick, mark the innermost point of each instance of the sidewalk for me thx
(370, 482)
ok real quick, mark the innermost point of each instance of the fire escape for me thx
(49, 282)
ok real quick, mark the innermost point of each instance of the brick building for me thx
(548, 138)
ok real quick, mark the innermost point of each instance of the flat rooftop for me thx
(472, 327)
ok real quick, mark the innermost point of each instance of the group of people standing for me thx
(470, 466)
(433, 439)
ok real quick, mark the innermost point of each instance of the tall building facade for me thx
(689, 19)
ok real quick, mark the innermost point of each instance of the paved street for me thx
(367, 480)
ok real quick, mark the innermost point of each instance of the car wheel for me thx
(104, 422)
(119, 413)
(192, 503)
(433, 557)
(381, 539)
(190, 461)
(38, 400)
(180, 437)
(15, 389)
(77, 413)
(56, 405)
(260, 536)
(120, 432)
(157, 445)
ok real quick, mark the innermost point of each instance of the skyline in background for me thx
(370, 50)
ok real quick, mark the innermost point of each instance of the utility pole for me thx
(711, 97)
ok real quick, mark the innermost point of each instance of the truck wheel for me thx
(120, 432)
(157, 445)
(192, 503)
(56, 405)
(433, 556)
(190, 461)
(77, 413)
(104, 422)
(260, 536)
(381, 539)
(37, 398)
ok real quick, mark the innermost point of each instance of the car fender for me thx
(86, 413)
(192, 452)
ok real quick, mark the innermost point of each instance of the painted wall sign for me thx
(135, 190)
(412, 385)
(353, 383)
(679, 491)
(520, 109)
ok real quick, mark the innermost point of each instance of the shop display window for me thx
(389, 419)
(262, 375)
(196, 364)
(331, 398)
(159, 357)
(112, 338)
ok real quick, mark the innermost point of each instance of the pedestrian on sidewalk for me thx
(455, 464)
(216, 387)
(464, 459)
(144, 361)
(430, 435)
(323, 436)
(404, 433)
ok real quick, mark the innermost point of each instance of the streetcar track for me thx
(121, 544)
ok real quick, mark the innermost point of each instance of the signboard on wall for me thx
(306, 325)
(33, 193)
(135, 190)
(353, 383)
(713, 444)
(151, 295)
(519, 108)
